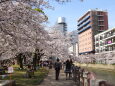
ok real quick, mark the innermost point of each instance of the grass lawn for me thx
(18, 76)
(105, 74)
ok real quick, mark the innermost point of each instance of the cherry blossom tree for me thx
(60, 43)
(20, 27)
(98, 58)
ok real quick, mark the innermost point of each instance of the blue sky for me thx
(75, 9)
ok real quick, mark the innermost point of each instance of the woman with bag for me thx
(68, 66)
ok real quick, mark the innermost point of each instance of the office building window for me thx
(100, 13)
(97, 39)
(101, 22)
(101, 37)
(97, 44)
(100, 17)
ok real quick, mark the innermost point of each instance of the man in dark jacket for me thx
(57, 69)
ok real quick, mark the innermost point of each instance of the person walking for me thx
(68, 68)
(57, 67)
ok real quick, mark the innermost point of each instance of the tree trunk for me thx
(34, 61)
(20, 59)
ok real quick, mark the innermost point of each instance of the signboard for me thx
(10, 70)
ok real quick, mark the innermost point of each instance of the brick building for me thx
(90, 24)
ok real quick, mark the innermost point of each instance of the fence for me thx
(85, 78)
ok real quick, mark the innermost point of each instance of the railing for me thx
(83, 20)
(85, 78)
(76, 75)
(85, 24)
(87, 27)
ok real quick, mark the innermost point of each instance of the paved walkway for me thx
(50, 80)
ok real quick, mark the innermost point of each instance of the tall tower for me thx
(62, 25)
(90, 24)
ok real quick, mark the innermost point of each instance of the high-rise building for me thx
(90, 24)
(61, 25)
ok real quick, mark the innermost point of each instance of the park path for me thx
(50, 80)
